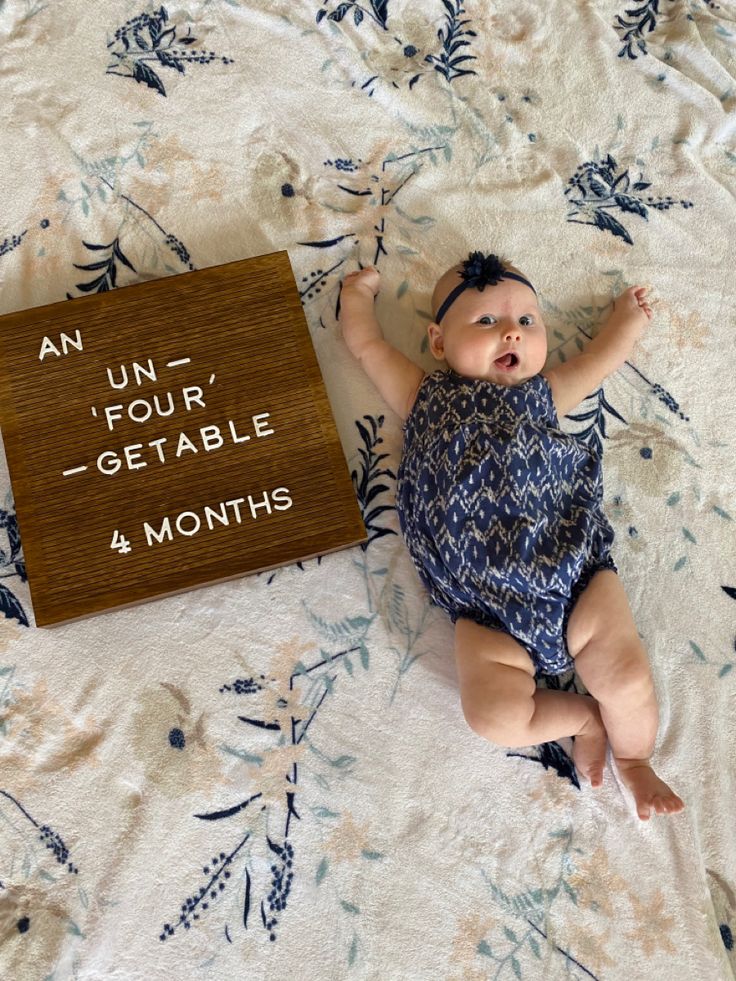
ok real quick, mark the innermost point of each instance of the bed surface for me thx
(272, 777)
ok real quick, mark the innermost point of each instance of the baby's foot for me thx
(648, 790)
(589, 749)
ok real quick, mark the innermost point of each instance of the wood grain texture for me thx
(242, 322)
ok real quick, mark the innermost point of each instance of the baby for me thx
(502, 514)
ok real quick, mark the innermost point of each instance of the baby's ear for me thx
(436, 340)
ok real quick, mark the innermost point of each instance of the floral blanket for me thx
(272, 777)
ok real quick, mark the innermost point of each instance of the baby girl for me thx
(503, 517)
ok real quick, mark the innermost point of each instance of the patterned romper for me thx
(501, 511)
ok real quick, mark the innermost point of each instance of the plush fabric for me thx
(272, 777)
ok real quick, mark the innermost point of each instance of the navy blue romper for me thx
(501, 511)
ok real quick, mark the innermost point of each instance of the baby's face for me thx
(480, 327)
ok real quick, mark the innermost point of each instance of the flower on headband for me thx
(482, 271)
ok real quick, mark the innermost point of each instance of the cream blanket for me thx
(272, 778)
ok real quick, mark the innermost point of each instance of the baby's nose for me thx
(512, 331)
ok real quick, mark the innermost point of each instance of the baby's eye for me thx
(487, 318)
(527, 317)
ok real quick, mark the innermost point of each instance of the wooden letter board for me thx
(245, 473)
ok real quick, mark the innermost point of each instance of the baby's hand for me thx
(632, 306)
(368, 280)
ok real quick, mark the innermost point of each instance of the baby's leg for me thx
(500, 699)
(613, 665)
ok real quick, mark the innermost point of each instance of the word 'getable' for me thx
(109, 462)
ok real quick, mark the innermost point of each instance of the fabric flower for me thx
(481, 271)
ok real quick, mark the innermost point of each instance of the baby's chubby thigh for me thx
(496, 680)
(603, 640)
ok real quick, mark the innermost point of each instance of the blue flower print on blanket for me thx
(34, 897)
(105, 269)
(643, 19)
(445, 62)
(12, 563)
(595, 187)
(142, 43)
(365, 480)
(8, 244)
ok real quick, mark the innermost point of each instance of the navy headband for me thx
(480, 271)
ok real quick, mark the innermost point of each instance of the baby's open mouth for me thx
(509, 360)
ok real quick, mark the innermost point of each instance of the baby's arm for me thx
(395, 376)
(579, 377)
